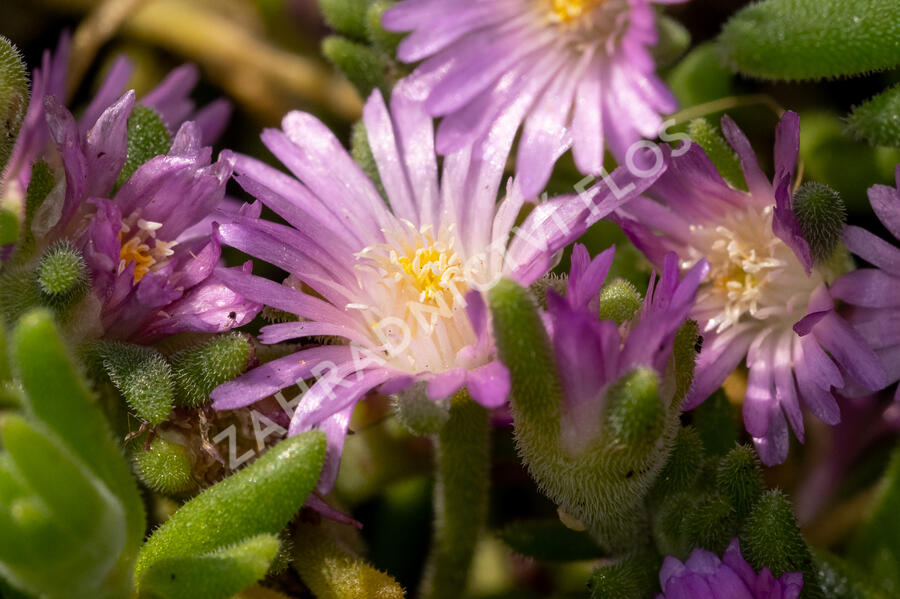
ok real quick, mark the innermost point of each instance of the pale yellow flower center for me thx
(567, 11)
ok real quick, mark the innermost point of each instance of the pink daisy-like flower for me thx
(762, 301)
(577, 73)
(399, 280)
(873, 292)
(705, 576)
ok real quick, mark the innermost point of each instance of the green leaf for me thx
(878, 120)
(700, 77)
(219, 574)
(39, 187)
(199, 370)
(549, 541)
(821, 215)
(79, 533)
(332, 572)
(712, 524)
(674, 40)
(147, 137)
(739, 477)
(5, 372)
(364, 67)
(633, 577)
(143, 377)
(636, 416)
(708, 137)
(13, 98)
(58, 396)
(771, 539)
(683, 466)
(259, 499)
(876, 546)
(812, 39)
(346, 16)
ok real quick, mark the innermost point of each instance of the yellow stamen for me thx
(134, 250)
(567, 11)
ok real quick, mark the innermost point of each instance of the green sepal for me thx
(878, 120)
(363, 66)
(635, 416)
(143, 377)
(419, 414)
(9, 226)
(708, 137)
(346, 17)
(821, 215)
(147, 137)
(215, 575)
(812, 39)
(165, 466)
(258, 499)
(199, 370)
(716, 424)
(57, 395)
(549, 541)
(13, 98)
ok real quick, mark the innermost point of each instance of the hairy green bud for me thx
(712, 524)
(635, 414)
(821, 215)
(878, 120)
(165, 467)
(386, 41)
(619, 301)
(739, 477)
(62, 274)
(13, 98)
(634, 577)
(346, 16)
(420, 415)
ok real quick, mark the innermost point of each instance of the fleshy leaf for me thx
(333, 572)
(359, 63)
(142, 376)
(700, 77)
(674, 40)
(878, 120)
(549, 541)
(812, 39)
(708, 137)
(739, 477)
(346, 16)
(216, 575)
(259, 499)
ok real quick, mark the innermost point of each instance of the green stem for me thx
(460, 498)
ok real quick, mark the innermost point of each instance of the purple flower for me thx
(577, 73)
(873, 292)
(399, 281)
(592, 354)
(170, 99)
(705, 576)
(762, 299)
(148, 244)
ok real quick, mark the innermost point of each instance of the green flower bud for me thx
(709, 138)
(62, 274)
(619, 301)
(147, 137)
(739, 477)
(878, 120)
(346, 16)
(821, 215)
(199, 370)
(13, 98)
(165, 466)
(142, 376)
(364, 67)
